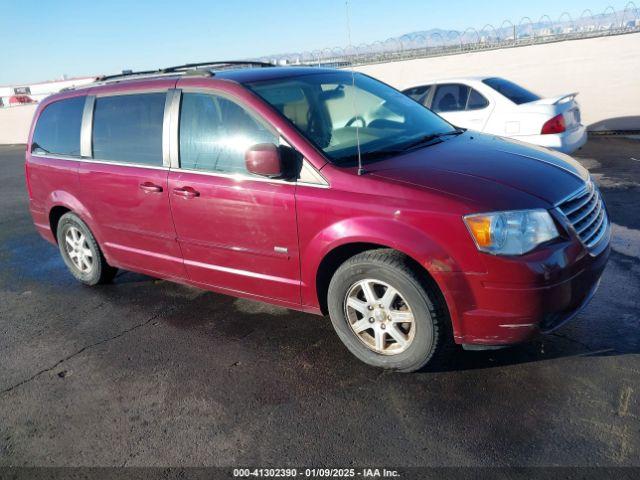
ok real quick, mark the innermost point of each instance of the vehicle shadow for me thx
(629, 123)
(311, 340)
(124, 277)
(604, 329)
(598, 332)
(549, 347)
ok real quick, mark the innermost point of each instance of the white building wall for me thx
(42, 90)
(15, 120)
(15, 123)
(604, 70)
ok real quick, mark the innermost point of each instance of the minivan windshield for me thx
(337, 110)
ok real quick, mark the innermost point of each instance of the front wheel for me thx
(81, 252)
(385, 312)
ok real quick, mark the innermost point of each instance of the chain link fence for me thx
(435, 42)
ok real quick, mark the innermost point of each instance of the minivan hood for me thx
(537, 171)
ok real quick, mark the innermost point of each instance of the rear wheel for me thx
(385, 312)
(81, 252)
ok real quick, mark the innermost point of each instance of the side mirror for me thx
(264, 159)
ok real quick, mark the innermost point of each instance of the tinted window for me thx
(128, 128)
(476, 101)
(418, 93)
(340, 111)
(513, 92)
(215, 133)
(58, 127)
(450, 98)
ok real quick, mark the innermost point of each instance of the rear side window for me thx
(58, 128)
(215, 133)
(476, 101)
(513, 92)
(450, 98)
(419, 94)
(128, 128)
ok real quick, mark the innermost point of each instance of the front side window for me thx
(58, 128)
(450, 98)
(338, 110)
(128, 128)
(215, 133)
(513, 92)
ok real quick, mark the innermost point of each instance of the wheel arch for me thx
(60, 202)
(336, 257)
(332, 261)
(425, 255)
(55, 213)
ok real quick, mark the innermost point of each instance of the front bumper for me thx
(536, 296)
(553, 321)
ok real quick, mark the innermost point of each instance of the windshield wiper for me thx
(377, 154)
(372, 155)
(384, 153)
(428, 139)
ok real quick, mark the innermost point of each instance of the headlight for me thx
(511, 232)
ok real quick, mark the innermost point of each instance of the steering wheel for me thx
(357, 118)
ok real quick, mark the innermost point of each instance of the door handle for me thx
(149, 187)
(186, 192)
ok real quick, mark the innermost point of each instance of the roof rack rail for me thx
(229, 63)
(128, 73)
(187, 68)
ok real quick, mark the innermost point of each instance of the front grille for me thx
(586, 213)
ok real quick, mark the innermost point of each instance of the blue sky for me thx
(42, 40)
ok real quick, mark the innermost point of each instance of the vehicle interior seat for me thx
(447, 103)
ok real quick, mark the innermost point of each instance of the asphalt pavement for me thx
(146, 372)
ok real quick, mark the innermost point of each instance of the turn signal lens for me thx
(555, 125)
(511, 232)
(480, 228)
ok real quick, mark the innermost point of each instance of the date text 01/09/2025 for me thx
(315, 473)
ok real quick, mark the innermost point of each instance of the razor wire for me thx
(437, 42)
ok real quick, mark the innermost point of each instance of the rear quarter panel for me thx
(51, 180)
(513, 120)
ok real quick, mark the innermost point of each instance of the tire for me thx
(81, 253)
(417, 297)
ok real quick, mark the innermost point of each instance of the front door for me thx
(236, 231)
(461, 105)
(125, 184)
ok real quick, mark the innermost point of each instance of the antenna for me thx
(353, 83)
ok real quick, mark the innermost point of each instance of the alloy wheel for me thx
(78, 250)
(379, 316)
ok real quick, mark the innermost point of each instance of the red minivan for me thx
(319, 190)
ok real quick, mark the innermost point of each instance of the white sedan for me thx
(500, 107)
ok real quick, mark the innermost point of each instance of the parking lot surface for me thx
(146, 372)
